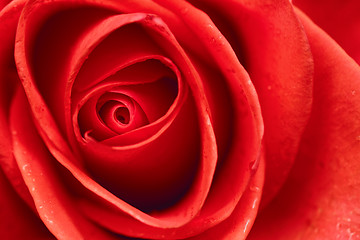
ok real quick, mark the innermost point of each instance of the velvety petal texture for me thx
(9, 17)
(174, 119)
(278, 60)
(20, 222)
(339, 19)
(129, 123)
(321, 197)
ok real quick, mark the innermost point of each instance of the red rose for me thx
(177, 120)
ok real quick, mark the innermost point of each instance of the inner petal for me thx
(122, 114)
(131, 98)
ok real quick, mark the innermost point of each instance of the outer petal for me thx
(17, 221)
(3, 3)
(246, 143)
(340, 19)
(321, 198)
(9, 82)
(238, 224)
(58, 146)
(271, 45)
(40, 174)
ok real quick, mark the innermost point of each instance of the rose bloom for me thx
(172, 119)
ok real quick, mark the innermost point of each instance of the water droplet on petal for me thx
(254, 203)
(48, 219)
(184, 11)
(246, 225)
(254, 188)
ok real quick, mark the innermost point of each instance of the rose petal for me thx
(21, 222)
(263, 34)
(239, 223)
(101, 115)
(140, 173)
(232, 227)
(8, 85)
(207, 217)
(167, 102)
(56, 144)
(199, 191)
(3, 3)
(50, 197)
(115, 165)
(321, 198)
(340, 19)
(152, 94)
(251, 113)
(246, 108)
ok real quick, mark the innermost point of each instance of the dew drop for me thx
(254, 203)
(25, 167)
(123, 115)
(254, 188)
(252, 165)
(48, 219)
(184, 11)
(232, 70)
(246, 225)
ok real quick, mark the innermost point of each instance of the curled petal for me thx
(321, 197)
(9, 82)
(53, 138)
(271, 45)
(339, 19)
(52, 202)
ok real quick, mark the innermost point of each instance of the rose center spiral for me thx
(122, 114)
